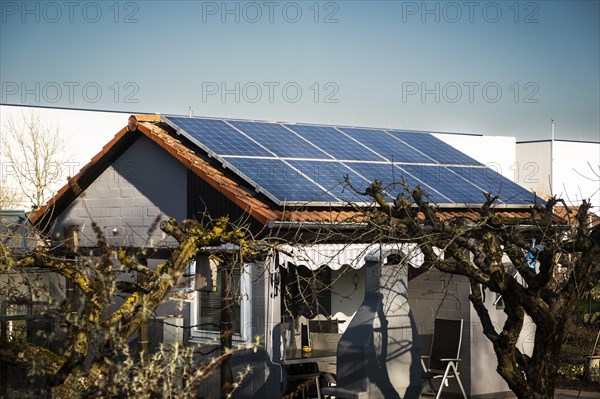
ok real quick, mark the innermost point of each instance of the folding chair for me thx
(443, 358)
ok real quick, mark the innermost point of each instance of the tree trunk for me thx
(543, 366)
(143, 330)
(539, 381)
(226, 328)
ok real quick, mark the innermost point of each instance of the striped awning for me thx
(336, 256)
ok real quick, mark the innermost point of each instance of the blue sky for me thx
(491, 67)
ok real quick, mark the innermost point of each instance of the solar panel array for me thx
(296, 164)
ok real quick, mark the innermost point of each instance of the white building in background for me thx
(565, 168)
(79, 145)
(495, 152)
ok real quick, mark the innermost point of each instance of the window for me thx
(15, 316)
(205, 311)
(23, 309)
(209, 305)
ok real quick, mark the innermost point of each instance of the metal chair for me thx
(443, 358)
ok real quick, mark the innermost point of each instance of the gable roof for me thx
(260, 208)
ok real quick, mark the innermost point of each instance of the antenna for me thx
(190, 111)
(551, 156)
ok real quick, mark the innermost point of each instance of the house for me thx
(286, 180)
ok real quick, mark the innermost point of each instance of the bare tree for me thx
(32, 155)
(476, 247)
(98, 330)
(10, 198)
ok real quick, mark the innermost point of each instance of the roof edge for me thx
(558, 140)
(71, 181)
(172, 146)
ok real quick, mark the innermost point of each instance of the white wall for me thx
(574, 175)
(496, 152)
(576, 172)
(347, 294)
(84, 134)
(534, 168)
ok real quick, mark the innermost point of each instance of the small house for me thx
(289, 180)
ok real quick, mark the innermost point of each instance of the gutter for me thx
(288, 225)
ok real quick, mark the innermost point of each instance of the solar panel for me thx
(331, 176)
(492, 182)
(383, 144)
(280, 181)
(392, 179)
(218, 137)
(306, 164)
(434, 148)
(335, 143)
(280, 140)
(443, 180)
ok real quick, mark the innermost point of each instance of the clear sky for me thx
(492, 67)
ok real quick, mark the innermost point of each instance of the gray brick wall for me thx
(143, 183)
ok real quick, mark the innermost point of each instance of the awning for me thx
(337, 255)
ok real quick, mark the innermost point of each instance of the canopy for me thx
(337, 255)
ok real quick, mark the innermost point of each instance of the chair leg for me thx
(318, 387)
(444, 379)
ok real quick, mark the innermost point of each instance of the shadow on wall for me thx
(264, 379)
(379, 353)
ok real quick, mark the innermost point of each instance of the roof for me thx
(558, 140)
(569, 214)
(234, 189)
